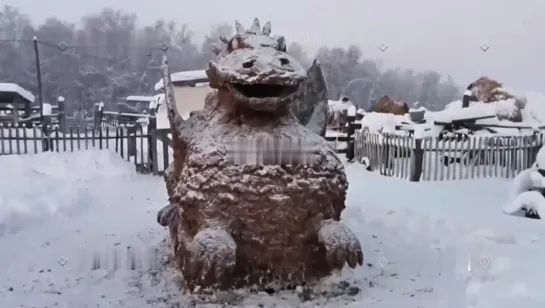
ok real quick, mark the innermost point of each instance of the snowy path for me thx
(54, 206)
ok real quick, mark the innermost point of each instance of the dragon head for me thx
(255, 69)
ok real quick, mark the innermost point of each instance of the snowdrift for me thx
(341, 105)
(532, 114)
(33, 187)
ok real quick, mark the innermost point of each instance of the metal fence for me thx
(439, 159)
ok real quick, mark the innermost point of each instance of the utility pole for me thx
(39, 78)
(45, 145)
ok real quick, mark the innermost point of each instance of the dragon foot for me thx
(211, 259)
(165, 215)
(341, 244)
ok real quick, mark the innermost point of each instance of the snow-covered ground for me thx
(79, 230)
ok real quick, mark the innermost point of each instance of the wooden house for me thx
(15, 103)
(190, 90)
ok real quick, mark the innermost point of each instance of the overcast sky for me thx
(423, 34)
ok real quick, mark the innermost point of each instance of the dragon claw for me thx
(342, 246)
(165, 215)
(212, 257)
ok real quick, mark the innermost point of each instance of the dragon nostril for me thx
(248, 64)
(284, 61)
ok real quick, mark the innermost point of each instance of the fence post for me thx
(131, 142)
(61, 116)
(99, 113)
(535, 145)
(418, 157)
(350, 136)
(45, 135)
(152, 142)
(39, 77)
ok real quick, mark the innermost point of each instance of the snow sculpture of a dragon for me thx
(240, 224)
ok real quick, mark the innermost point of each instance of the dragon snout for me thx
(283, 62)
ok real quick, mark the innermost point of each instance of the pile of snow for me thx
(535, 107)
(454, 111)
(11, 87)
(340, 106)
(381, 122)
(531, 106)
(418, 244)
(521, 198)
(33, 187)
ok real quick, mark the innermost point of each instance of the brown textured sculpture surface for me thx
(387, 105)
(488, 90)
(277, 220)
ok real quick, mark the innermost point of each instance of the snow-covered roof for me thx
(183, 76)
(12, 87)
(138, 98)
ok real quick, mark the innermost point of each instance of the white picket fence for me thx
(436, 159)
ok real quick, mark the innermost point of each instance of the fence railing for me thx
(343, 139)
(428, 159)
(438, 159)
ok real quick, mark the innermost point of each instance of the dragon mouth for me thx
(261, 90)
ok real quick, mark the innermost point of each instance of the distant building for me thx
(15, 103)
(190, 90)
(135, 104)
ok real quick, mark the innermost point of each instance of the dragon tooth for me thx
(256, 27)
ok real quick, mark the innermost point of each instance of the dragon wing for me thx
(311, 108)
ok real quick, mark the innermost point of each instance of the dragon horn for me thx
(256, 28)
(267, 28)
(239, 27)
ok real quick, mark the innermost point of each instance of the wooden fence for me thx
(438, 159)
(428, 159)
(343, 140)
(131, 142)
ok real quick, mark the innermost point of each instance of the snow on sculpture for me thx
(387, 105)
(527, 191)
(240, 216)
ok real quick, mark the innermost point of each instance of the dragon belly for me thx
(272, 212)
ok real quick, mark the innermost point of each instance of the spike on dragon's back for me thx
(173, 115)
(254, 64)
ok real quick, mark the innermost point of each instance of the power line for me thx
(62, 47)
